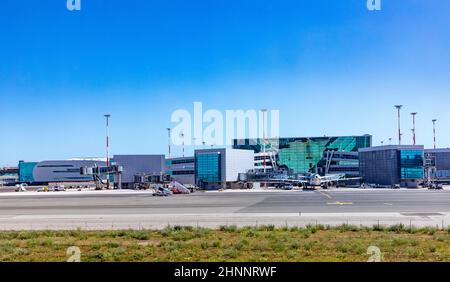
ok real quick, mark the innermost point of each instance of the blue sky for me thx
(330, 67)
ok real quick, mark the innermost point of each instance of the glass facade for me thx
(208, 167)
(182, 172)
(304, 154)
(180, 161)
(440, 159)
(26, 171)
(411, 164)
(392, 165)
(379, 166)
(181, 169)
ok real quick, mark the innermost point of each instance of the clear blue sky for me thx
(330, 67)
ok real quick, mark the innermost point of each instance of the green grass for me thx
(230, 243)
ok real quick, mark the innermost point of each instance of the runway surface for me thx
(134, 209)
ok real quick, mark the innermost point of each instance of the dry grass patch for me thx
(229, 243)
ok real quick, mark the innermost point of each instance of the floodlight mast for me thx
(168, 133)
(434, 132)
(399, 107)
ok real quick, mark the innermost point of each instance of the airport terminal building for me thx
(63, 171)
(392, 165)
(439, 160)
(322, 155)
(181, 169)
(26, 171)
(9, 176)
(69, 171)
(220, 168)
(134, 165)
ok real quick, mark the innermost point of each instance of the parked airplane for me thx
(314, 180)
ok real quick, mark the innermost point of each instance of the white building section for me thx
(238, 161)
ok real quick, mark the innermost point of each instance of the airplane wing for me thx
(351, 178)
(299, 181)
(337, 177)
(291, 180)
(340, 178)
(333, 177)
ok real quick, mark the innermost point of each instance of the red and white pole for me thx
(107, 116)
(168, 133)
(414, 127)
(399, 130)
(434, 133)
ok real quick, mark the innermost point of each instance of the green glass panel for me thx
(304, 154)
(208, 167)
(26, 171)
(411, 164)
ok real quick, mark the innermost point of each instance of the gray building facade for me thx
(440, 160)
(392, 165)
(63, 171)
(181, 169)
(138, 164)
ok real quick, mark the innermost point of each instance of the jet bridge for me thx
(97, 173)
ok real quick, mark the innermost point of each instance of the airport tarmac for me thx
(139, 209)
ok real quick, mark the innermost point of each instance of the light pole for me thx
(390, 140)
(168, 133)
(414, 127)
(434, 132)
(107, 116)
(399, 107)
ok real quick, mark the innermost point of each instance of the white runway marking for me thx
(325, 194)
